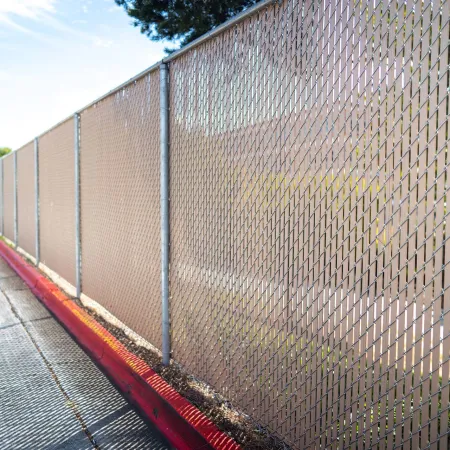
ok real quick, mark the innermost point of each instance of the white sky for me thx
(58, 55)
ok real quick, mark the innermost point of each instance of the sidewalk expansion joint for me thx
(47, 363)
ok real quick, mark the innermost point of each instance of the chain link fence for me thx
(57, 200)
(309, 249)
(120, 212)
(8, 179)
(308, 183)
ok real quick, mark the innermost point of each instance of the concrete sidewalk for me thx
(52, 396)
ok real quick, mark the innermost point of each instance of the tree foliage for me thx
(4, 151)
(181, 20)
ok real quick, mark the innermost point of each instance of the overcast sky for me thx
(58, 55)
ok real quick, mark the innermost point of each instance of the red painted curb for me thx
(184, 426)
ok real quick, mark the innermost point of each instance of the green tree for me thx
(181, 20)
(4, 151)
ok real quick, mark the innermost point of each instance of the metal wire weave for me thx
(309, 248)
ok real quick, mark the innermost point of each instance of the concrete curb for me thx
(183, 425)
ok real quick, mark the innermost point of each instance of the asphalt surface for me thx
(52, 396)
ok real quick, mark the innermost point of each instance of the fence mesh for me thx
(26, 200)
(309, 247)
(120, 210)
(8, 197)
(57, 200)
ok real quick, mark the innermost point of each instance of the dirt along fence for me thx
(308, 276)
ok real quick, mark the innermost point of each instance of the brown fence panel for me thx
(26, 199)
(57, 200)
(308, 220)
(120, 205)
(8, 197)
(309, 253)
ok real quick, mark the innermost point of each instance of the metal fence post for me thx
(164, 124)
(77, 205)
(16, 212)
(1, 197)
(36, 198)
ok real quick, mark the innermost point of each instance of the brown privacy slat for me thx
(386, 136)
(397, 320)
(371, 208)
(26, 199)
(378, 205)
(327, 30)
(443, 301)
(57, 200)
(434, 226)
(120, 205)
(420, 418)
(309, 253)
(426, 232)
(358, 194)
(407, 294)
(8, 196)
(414, 363)
(332, 240)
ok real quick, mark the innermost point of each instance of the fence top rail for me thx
(17, 149)
(55, 126)
(11, 153)
(24, 146)
(122, 86)
(206, 37)
(221, 28)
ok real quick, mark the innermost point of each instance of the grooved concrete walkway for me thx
(52, 396)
